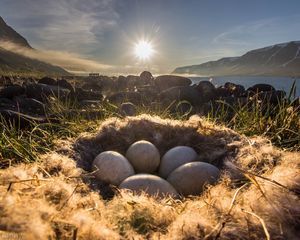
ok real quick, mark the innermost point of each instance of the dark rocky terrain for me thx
(277, 60)
(11, 62)
(27, 99)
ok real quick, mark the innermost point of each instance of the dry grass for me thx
(257, 197)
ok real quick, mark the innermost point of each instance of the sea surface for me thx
(279, 83)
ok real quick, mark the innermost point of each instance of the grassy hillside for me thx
(15, 64)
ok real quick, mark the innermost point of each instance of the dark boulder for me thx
(183, 108)
(270, 97)
(167, 81)
(92, 86)
(47, 81)
(235, 101)
(90, 103)
(82, 94)
(146, 78)
(278, 96)
(176, 94)
(12, 91)
(7, 104)
(222, 92)
(108, 83)
(41, 92)
(148, 93)
(29, 105)
(133, 81)
(21, 120)
(235, 90)
(128, 109)
(257, 88)
(121, 83)
(65, 84)
(207, 91)
(122, 97)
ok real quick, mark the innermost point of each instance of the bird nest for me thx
(257, 196)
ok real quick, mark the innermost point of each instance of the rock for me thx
(150, 184)
(143, 156)
(260, 88)
(273, 97)
(81, 94)
(235, 90)
(222, 92)
(22, 120)
(12, 91)
(146, 78)
(122, 83)
(30, 105)
(207, 91)
(182, 108)
(65, 84)
(164, 82)
(41, 92)
(112, 167)
(121, 97)
(176, 157)
(190, 178)
(90, 103)
(127, 109)
(206, 108)
(108, 83)
(148, 92)
(7, 104)
(133, 81)
(47, 81)
(189, 94)
(92, 86)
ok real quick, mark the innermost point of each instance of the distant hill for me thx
(277, 60)
(11, 62)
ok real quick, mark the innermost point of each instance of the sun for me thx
(143, 50)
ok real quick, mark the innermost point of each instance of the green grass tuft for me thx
(281, 124)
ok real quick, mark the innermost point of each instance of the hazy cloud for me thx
(69, 25)
(264, 30)
(68, 61)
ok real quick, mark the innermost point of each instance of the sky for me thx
(182, 32)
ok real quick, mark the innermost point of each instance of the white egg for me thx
(190, 178)
(150, 184)
(112, 167)
(143, 156)
(174, 158)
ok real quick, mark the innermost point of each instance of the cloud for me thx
(76, 64)
(69, 25)
(69, 61)
(240, 35)
(262, 32)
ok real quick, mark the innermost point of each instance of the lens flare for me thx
(143, 50)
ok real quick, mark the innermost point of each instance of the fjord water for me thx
(279, 83)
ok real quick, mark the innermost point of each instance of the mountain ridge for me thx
(14, 63)
(7, 33)
(276, 60)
